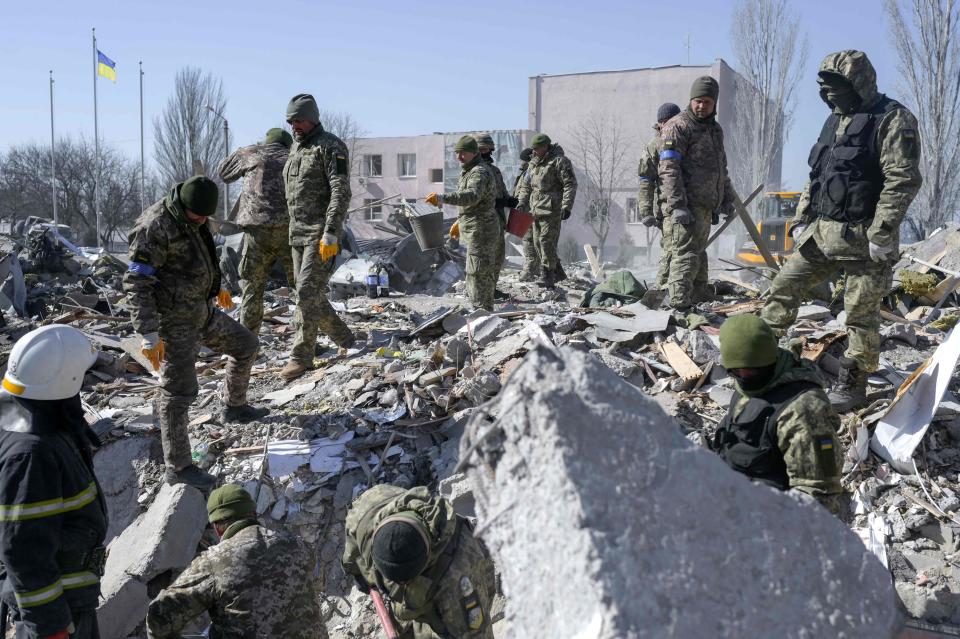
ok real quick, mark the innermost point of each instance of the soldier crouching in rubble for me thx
(174, 282)
(422, 557)
(255, 583)
(780, 428)
(477, 222)
(53, 517)
(864, 173)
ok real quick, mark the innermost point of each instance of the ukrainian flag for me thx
(106, 67)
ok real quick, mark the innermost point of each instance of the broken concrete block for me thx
(722, 395)
(702, 347)
(456, 489)
(484, 330)
(812, 312)
(162, 539)
(457, 352)
(117, 465)
(593, 505)
(900, 332)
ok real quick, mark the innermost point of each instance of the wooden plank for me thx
(730, 219)
(941, 290)
(739, 308)
(595, 266)
(680, 361)
(726, 277)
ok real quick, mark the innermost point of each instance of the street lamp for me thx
(226, 152)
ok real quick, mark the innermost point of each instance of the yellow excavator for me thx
(776, 217)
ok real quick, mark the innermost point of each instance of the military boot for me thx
(850, 391)
(528, 276)
(191, 476)
(548, 279)
(559, 274)
(292, 371)
(243, 414)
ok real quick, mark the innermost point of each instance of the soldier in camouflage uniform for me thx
(780, 428)
(548, 191)
(503, 202)
(317, 182)
(255, 583)
(694, 185)
(477, 223)
(438, 578)
(173, 281)
(865, 172)
(262, 216)
(648, 195)
(531, 261)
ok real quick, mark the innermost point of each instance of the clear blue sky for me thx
(401, 68)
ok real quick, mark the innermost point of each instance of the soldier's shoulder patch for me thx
(342, 165)
(470, 602)
(668, 143)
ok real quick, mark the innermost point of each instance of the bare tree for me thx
(344, 126)
(771, 55)
(188, 137)
(600, 155)
(926, 38)
(25, 187)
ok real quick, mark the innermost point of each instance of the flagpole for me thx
(142, 203)
(53, 155)
(96, 142)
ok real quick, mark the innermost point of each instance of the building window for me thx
(407, 164)
(632, 212)
(436, 175)
(373, 165)
(372, 213)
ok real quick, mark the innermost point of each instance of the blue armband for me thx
(670, 155)
(141, 269)
(644, 178)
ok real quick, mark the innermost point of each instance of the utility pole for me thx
(226, 152)
(143, 205)
(53, 156)
(688, 49)
(96, 143)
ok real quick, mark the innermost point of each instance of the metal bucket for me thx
(429, 230)
(519, 222)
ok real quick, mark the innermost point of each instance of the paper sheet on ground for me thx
(325, 455)
(901, 429)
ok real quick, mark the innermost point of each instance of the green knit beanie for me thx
(199, 194)
(746, 341)
(540, 139)
(230, 502)
(303, 107)
(275, 136)
(467, 143)
(705, 86)
(485, 141)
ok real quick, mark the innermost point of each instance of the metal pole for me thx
(96, 142)
(53, 155)
(142, 194)
(226, 187)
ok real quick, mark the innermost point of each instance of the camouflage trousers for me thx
(531, 259)
(663, 270)
(480, 239)
(866, 283)
(686, 246)
(546, 237)
(314, 312)
(501, 245)
(178, 375)
(262, 247)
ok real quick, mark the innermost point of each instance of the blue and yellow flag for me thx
(106, 67)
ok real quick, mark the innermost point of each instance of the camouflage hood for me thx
(789, 369)
(856, 68)
(175, 206)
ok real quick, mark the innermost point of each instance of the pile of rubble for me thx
(396, 408)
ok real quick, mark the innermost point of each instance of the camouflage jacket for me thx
(254, 583)
(549, 185)
(521, 176)
(648, 191)
(174, 270)
(500, 188)
(453, 595)
(475, 195)
(263, 201)
(316, 178)
(693, 165)
(806, 428)
(898, 146)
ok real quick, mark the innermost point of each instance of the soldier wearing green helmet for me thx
(255, 583)
(780, 428)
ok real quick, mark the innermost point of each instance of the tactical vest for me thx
(845, 174)
(749, 443)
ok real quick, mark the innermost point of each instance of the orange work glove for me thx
(435, 200)
(328, 246)
(455, 230)
(153, 349)
(225, 300)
